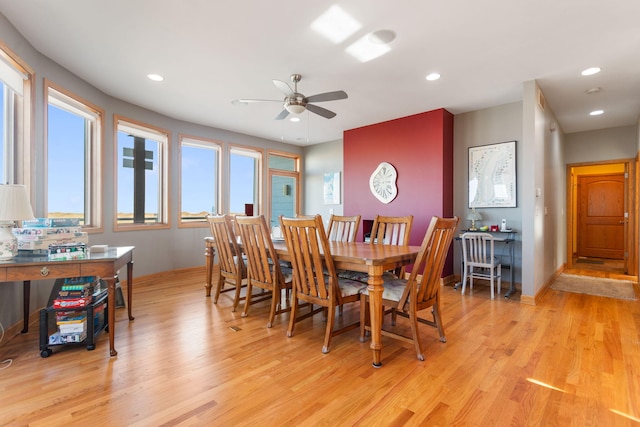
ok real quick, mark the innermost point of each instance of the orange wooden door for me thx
(601, 216)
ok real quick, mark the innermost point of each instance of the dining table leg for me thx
(209, 253)
(375, 310)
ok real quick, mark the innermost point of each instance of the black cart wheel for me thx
(91, 347)
(46, 353)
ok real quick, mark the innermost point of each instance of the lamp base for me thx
(8, 242)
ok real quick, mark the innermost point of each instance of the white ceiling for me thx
(212, 52)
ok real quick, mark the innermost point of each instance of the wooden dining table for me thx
(355, 256)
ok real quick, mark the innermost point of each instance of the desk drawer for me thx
(41, 272)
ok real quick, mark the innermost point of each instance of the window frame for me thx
(23, 144)
(94, 154)
(196, 141)
(295, 174)
(258, 154)
(163, 137)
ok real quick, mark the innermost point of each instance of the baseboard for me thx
(16, 329)
(534, 300)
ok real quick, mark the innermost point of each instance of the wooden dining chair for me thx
(343, 228)
(314, 275)
(263, 266)
(233, 270)
(386, 230)
(407, 297)
(391, 230)
(479, 261)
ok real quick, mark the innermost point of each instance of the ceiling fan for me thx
(296, 103)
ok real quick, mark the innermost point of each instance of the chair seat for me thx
(363, 277)
(350, 287)
(393, 289)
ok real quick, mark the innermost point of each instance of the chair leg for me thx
(438, 320)
(491, 283)
(218, 289)
(247, 301)
(499, 279)
(236, 298)
(275, 304)
(464, 279)
(331, 311)
(292, 318)
(416, 336)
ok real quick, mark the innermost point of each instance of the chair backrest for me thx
(477, 249)
(262, 261)
(391, 230)
(228, 251)
(314, 274)
(424, 280)
(343, 228)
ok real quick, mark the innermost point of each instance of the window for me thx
(244, 181)
(15, 119)
(74, 159)
(142, 176)
(284, 186)
(199, 180)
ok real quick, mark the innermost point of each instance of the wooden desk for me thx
(358, 256)
(102, 264)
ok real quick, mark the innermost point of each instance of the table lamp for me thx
(14, 206)
(473, 217)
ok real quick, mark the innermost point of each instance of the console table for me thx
(102, 264)
(501, 237)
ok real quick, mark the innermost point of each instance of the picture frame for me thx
(331, 188)
(492, 176)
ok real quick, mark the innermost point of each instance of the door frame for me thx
(631, 198)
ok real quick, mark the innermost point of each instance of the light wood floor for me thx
(571, 360)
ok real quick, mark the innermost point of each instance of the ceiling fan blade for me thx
(328, 96)
(283, 87)
(321, 111)
(246, 101)
(283, 114)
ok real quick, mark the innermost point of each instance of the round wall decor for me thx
(383, 182)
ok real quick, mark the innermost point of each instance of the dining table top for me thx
(361, 252)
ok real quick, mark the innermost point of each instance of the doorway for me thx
(601, 225)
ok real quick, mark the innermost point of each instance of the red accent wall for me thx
(420, 147)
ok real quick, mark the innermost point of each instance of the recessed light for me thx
(593, 90)
(382, 37)
(596, 112)
(155, 77)
(590, 71)
(433, 76)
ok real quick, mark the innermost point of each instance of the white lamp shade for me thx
(14, 203)
(474, 216)
(294, 108)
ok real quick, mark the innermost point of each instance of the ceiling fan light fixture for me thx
(294, 108)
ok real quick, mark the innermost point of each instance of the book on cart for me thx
(72, 302)
(58, 338)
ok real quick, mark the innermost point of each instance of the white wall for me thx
(318, 160)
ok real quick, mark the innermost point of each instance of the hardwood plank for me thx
(570, 360)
